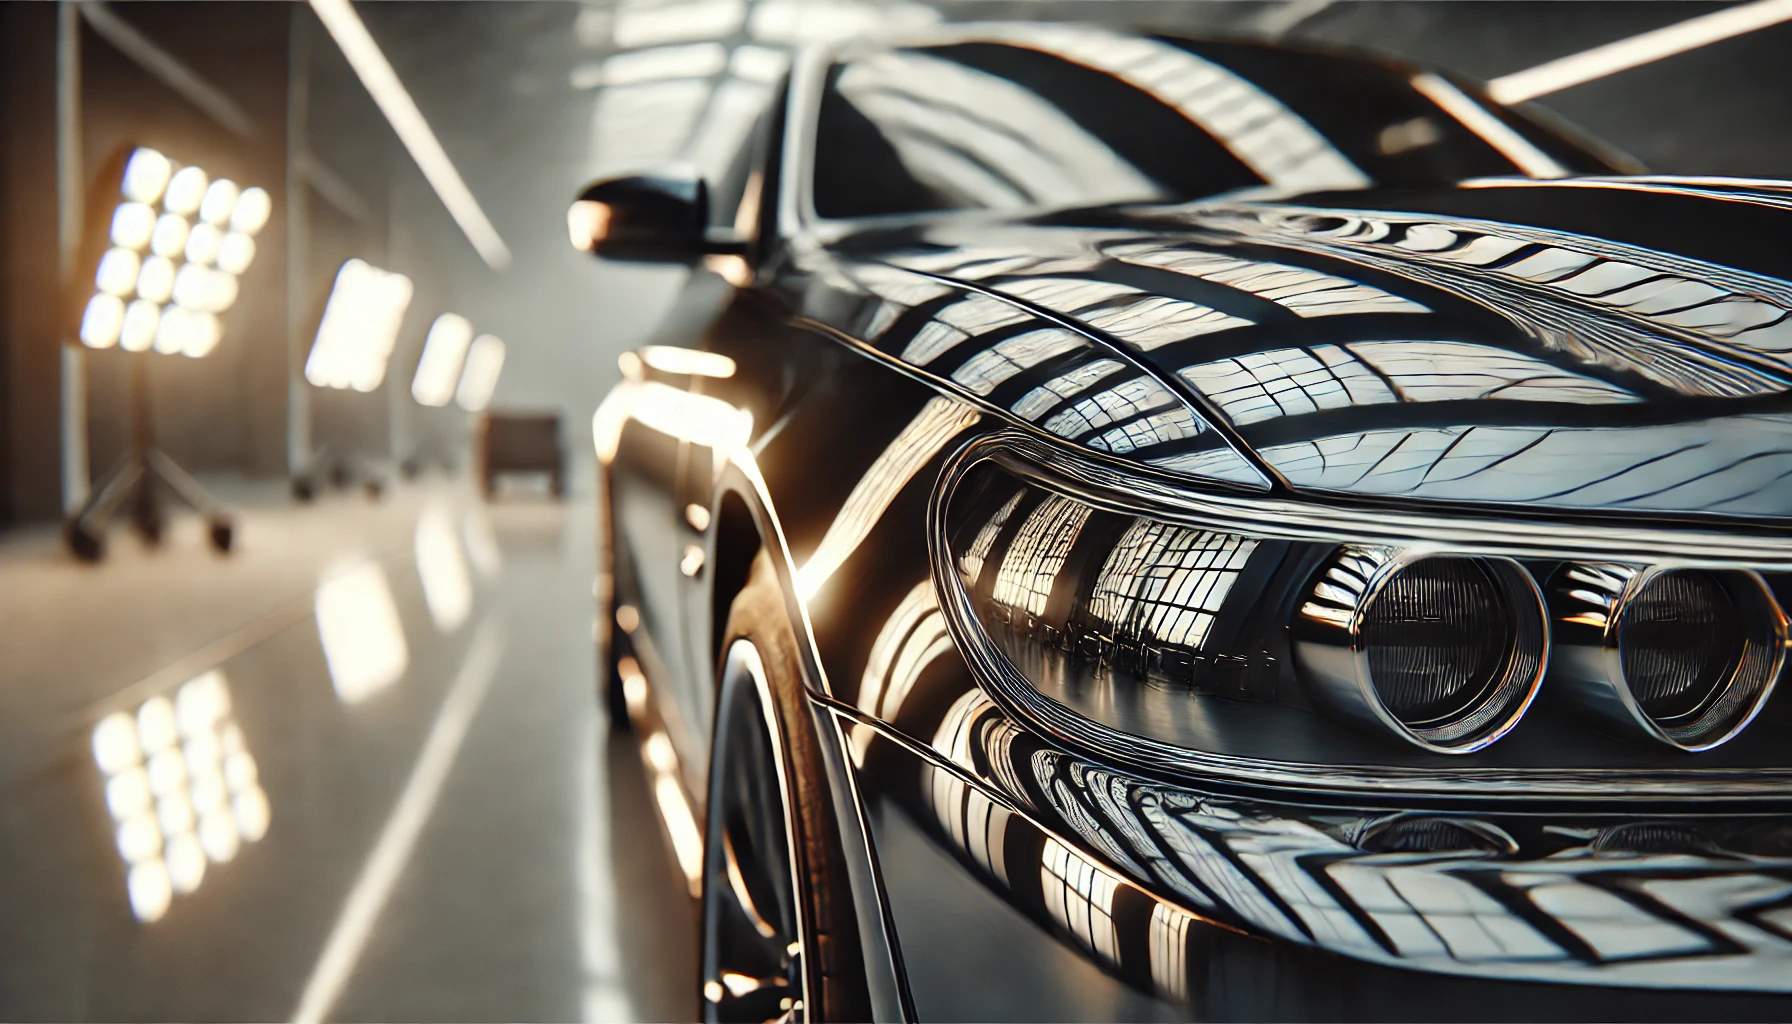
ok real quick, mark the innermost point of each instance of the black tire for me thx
(760, 718)
(223, 535)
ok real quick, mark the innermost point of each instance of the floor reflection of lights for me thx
(182, 789)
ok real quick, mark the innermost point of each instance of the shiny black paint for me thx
(819, 342)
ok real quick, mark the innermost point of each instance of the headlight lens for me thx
(1444, 652)
(1253, 647)
(1684, 657)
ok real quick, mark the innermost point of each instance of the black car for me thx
(1132, 527)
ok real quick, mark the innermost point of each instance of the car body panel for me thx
(1349, 349)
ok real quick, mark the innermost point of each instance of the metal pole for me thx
(298, 226)
(69, 208)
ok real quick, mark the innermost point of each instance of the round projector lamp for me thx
(1685, 657)
(1443, 651)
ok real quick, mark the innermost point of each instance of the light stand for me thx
(162, 252)
(135, 477)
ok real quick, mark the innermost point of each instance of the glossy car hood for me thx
(1589, 345)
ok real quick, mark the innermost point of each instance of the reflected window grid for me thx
(1169, 951)
(1154, 321)
(1306, 293)
(971, 562)
(1121, 402)
(1173, 424)
(1166, 583)
(1038, 552)
(1064, 294)
(989, 368)
(1287, 382)
(1035, 402)
(1080, 896)
(980, 313)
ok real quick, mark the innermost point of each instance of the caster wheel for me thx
(223, 534)
(85, 543)
(374, 489)
(339, 476)
(412, 469)
(304, 489)
(153, 531)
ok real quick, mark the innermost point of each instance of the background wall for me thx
(517, 92)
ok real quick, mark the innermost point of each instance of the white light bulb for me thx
(139, 330)
(139, 838)
(150, 890)
(170, 236)
(132, 224)
(186, 862)
(236, 252)
(117, 273)
(173, 331)
(220, 290)
(190, 286)
(218, 836)
(252, 210)
(146, 175)
(251, 811)
(206, 333)
(186, 190)
(219, 200)
(156, 280)
(202, 243)
(102, 321)
(115, 741)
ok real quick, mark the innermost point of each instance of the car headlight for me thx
(1246, 638)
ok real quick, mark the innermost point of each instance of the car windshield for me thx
(1079, 117)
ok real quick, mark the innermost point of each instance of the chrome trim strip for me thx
(1107, 489)
(1119, 490)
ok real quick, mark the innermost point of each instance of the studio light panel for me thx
(177, 242)
(359, 327)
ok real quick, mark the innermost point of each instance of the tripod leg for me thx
(218, 524)
(182, 483)
(86, 530)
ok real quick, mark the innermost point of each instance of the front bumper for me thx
(1026, 882)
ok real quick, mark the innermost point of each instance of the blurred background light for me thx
(358, 625)
(485, 361)
(359, 327)
(220, 200)
(140, 321)
(179, 266)
(252, 210)
(444, 350)
(146, 174)
(186, 190)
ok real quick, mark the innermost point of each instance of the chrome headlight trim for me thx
(1113, 489)
(1113, 486)
(1333, 654)
(1588, 602)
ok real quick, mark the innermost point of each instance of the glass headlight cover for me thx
(1342, 653)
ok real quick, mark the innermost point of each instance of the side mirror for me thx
(654, 218)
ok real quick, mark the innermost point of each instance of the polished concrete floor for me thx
(354, 771)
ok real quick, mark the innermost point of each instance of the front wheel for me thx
(779, 934)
